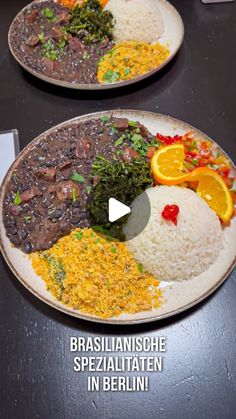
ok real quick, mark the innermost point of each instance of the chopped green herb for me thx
(214, 166)
(74, 195)
(111, 76)
(27, 219)
(137, 139)
(101, 60)
(17, 199)
(105, 118)
(79, 235)
(56, 269)
(61, 43)
(127, 71)
(88, 189)
(49, 50)
(48, 13)
(113, 249)
(133, 124)
(120, 140)
(193, 146)
(194, 162)
(140, 267)
(41, 37)
(77, 177)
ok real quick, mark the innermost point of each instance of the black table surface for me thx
(199, 377)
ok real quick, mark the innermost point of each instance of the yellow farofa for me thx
(131, 59)
(100, 277)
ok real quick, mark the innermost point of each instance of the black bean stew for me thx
(47, 194)
(40, 41)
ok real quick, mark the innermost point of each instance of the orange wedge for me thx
(167, 165)
(167, 169)
(212, 188)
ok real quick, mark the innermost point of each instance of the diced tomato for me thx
(233, 194)
(192, 154)
(225, 172)
(205, 153)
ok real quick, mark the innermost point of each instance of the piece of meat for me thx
(122, 124)
(30, 193)
(65, 164)
(32, 41)
(104, 138)
(57, 33)
(46, 173)
(143, 130)
(31, 17)
(76, 45)
(45, 234)
(14, 209)
(50, 66)
(67, 189)
(130, 154)
(63, 17)
(83, 148)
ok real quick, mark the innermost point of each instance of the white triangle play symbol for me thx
(117, 210)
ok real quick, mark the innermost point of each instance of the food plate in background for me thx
(172, 38)
(178, 296)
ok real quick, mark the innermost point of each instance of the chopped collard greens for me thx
(90, 22)
(121, 180)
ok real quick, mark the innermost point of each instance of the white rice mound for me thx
(179, 252)
(136, 20)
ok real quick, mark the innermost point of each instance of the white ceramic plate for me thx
(173, 37)
(179, 296)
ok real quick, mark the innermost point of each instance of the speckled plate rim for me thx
(89, 86)
(78, 314)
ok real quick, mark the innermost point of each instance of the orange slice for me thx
(167, 169)
(167, 165)
(212, 188)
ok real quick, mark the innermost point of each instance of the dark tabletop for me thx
(199, 377)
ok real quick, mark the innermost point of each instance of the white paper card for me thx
(9, 148)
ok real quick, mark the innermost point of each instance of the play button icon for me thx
(117, 210)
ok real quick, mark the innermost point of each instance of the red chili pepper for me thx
(168, 140)
(170, 213)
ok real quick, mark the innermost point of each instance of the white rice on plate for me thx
(136, 20)
(179, 252)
